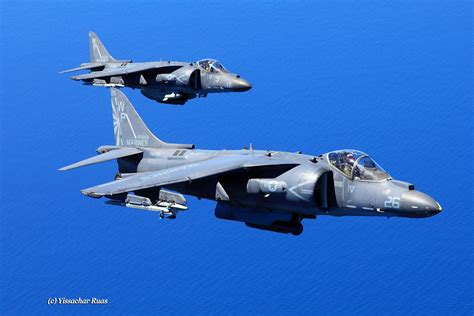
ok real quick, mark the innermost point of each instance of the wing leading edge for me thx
(134, 68)
(111, 155)
(198, 170)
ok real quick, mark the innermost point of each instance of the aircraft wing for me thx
(87, 66)
(110, 155)
(135, 68)
(198, 170)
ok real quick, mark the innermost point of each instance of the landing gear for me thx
(297, 229)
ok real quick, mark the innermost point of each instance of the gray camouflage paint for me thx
(268, 190)
(164, 81)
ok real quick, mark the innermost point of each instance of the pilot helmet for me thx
(350, 158)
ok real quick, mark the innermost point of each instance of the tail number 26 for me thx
(392, 202)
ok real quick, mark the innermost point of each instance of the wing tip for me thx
(68, 167)
(90, 193)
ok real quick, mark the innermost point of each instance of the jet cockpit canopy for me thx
(212, 65)
(356, 165)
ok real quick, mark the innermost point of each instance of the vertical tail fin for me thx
(98, 52)
(129, 128)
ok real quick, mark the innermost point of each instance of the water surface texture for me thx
(391, 78)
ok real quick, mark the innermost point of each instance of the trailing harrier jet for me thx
(164, 81)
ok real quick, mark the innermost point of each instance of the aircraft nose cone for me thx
(240, 85)
(420, 203)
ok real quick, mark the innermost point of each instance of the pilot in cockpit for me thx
(212, 65)
(350, 159)
(348, 164)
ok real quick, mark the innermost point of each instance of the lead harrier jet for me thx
(269, 190)
(164, 81)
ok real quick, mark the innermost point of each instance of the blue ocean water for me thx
(391, 78)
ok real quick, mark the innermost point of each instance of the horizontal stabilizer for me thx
(84, 67)
(110, 155)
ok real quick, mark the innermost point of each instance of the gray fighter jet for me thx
(164, 81)
(269, 190)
